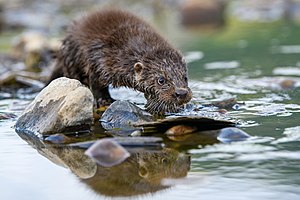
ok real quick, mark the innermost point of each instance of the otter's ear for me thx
(138, 69)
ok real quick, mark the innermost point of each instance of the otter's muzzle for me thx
(181, 93)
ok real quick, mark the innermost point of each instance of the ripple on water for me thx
(235, 148)
(271, 109)
(219, 86)
(287, 49)
(287, 71)
(292, 134)
(270, 155)
(222, 65)
(193, 56)
(274, 97)
(243, 85)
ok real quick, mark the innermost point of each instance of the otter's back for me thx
(115, 28)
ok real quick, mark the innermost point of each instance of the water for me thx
(258, 64)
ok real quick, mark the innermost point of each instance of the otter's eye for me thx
(161, 80)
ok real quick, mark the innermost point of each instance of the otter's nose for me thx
(181, 93)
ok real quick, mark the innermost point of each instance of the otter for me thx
(118, 48)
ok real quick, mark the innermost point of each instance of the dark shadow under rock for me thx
(201, 123)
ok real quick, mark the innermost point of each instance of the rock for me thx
(136, 133)
(227, 104)
(64, 105)
(199, 13)
(35, 49)
(107, 152)
(227, 135)
(181, 130)
(288, 84)
(121, 115)
(20, 79)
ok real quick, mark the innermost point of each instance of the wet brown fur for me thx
(118, 48)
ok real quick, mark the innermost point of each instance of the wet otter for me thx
(115, 47)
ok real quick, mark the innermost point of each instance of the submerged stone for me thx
(107, 152)
(64, 105)
(231, 134)
(288, 84)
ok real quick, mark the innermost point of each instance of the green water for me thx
(251, 57)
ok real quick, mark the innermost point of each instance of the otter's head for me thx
(164, 81)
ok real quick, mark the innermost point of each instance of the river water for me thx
(257, 64)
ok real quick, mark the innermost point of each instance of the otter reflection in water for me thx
(141, 173)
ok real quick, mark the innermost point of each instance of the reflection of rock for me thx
(121, 114)
(141, 173)
(190, 141)
(197, 13)
(64, 105)
(107, 152)
(72, 158)
(58, 139)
